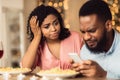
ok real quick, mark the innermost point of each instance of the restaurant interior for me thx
(13, 20)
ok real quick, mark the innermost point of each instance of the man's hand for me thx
(89, 68)
(34, 24)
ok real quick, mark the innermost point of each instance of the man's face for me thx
(93, 32)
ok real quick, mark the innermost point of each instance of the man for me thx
(101, 51)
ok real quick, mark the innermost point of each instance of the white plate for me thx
(58, 75)
(14, 70)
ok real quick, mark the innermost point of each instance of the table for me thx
(28, 76)
(14, 77)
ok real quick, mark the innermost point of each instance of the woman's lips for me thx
(54, 34)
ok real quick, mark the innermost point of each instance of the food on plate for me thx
(57, 71)
(14, 70)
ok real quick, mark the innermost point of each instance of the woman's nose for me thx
(53, 28)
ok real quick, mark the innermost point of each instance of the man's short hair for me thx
(98, 7)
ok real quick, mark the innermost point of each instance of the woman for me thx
(51, 42)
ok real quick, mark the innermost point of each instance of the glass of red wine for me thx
(1, 49)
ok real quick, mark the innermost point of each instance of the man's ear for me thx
(108, 25)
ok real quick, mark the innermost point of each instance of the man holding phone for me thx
(100, 53)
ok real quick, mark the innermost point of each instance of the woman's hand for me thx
(89, 68)
(34, 24)
(29, 59)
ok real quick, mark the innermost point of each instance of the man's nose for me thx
(87, 36)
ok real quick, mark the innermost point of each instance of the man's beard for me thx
(100, 45)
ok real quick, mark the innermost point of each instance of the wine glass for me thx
(1, 49)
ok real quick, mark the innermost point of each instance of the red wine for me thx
(1, 53)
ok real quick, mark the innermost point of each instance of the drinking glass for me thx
(1, 49)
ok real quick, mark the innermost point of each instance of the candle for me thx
(57, 78)
(44, 78)
(6, 76)
(33, 78)
(20, 77)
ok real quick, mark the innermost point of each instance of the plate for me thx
(57, 72)
(14, 70)
(58, 75)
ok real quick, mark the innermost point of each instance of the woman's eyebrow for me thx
(55, 20)
(44, 25)
(52, 22)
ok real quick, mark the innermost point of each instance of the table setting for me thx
(9, 73)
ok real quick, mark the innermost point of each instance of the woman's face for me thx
(51, 27)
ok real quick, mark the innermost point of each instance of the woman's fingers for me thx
(37, 24)
(34, 19)
(33, 22)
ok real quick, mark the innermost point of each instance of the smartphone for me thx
(76, 58)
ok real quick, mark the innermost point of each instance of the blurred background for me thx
(14, 15)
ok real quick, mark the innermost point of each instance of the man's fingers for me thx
(71, 61)
(85, 67)
(85, 71)
(87, 62)
(76, 66)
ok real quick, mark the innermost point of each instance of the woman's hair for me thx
(42, 12)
